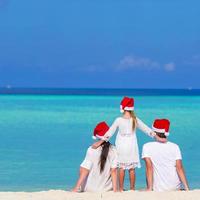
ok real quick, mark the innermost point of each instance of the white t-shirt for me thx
(97, 181)
(163, 157)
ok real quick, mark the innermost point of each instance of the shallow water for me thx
(44, 137)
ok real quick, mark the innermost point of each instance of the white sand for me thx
(129, 195)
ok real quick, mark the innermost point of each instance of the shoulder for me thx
(91, 150)
(118, 120)
(173, 145)
(148, 144)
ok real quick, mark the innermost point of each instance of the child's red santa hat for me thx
(127, 104)
(100, 130)
(161, 126)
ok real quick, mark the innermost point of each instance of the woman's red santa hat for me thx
(100, 130)
(161, 126)
(127, 104)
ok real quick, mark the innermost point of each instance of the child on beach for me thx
(126, 141)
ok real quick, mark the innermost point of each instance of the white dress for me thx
(96, 181)
(126, 141)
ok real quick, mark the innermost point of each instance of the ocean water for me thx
(43, 138)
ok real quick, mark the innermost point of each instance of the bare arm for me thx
(111, 130)
(181, 174)
(82, 176)
(97, 144)
(143, 127)
(149, 174)
(114, 179)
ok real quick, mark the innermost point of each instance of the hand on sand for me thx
(76, 190)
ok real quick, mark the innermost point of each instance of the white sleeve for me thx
(145, 152)
(87, 162)
(111, 130)
(143, 127)
(114, 158)
(178, 153)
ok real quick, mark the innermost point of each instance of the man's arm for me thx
(82, 176)
(149, 174)
(181, 174)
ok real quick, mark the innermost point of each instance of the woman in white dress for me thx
(98, 171)
(126, 141)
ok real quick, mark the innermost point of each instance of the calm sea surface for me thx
(43, 138)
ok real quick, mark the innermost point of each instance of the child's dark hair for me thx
(104, 154)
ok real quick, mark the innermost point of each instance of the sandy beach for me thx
(129, 195)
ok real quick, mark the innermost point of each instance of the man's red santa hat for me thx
(161, 126)
(100, 130)
(127, 104)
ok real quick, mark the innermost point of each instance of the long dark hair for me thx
(104, 154)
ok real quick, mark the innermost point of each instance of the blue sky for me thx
(104, 44)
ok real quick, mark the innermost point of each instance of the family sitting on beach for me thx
(103, 168)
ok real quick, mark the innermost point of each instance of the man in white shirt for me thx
(164, 169)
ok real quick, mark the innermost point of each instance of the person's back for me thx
(164, 169)
(98, 170)
(99, 181)
(163, 157)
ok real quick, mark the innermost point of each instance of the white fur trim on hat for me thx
(126, 108)
(158, 130)
(129, 108)
(97, 137)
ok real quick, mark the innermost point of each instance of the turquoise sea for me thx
(43, 138)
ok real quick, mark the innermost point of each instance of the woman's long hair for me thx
(134, 120)
(104, 154)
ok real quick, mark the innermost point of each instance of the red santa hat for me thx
(161, 126)
(127, 104)
(100, 130)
